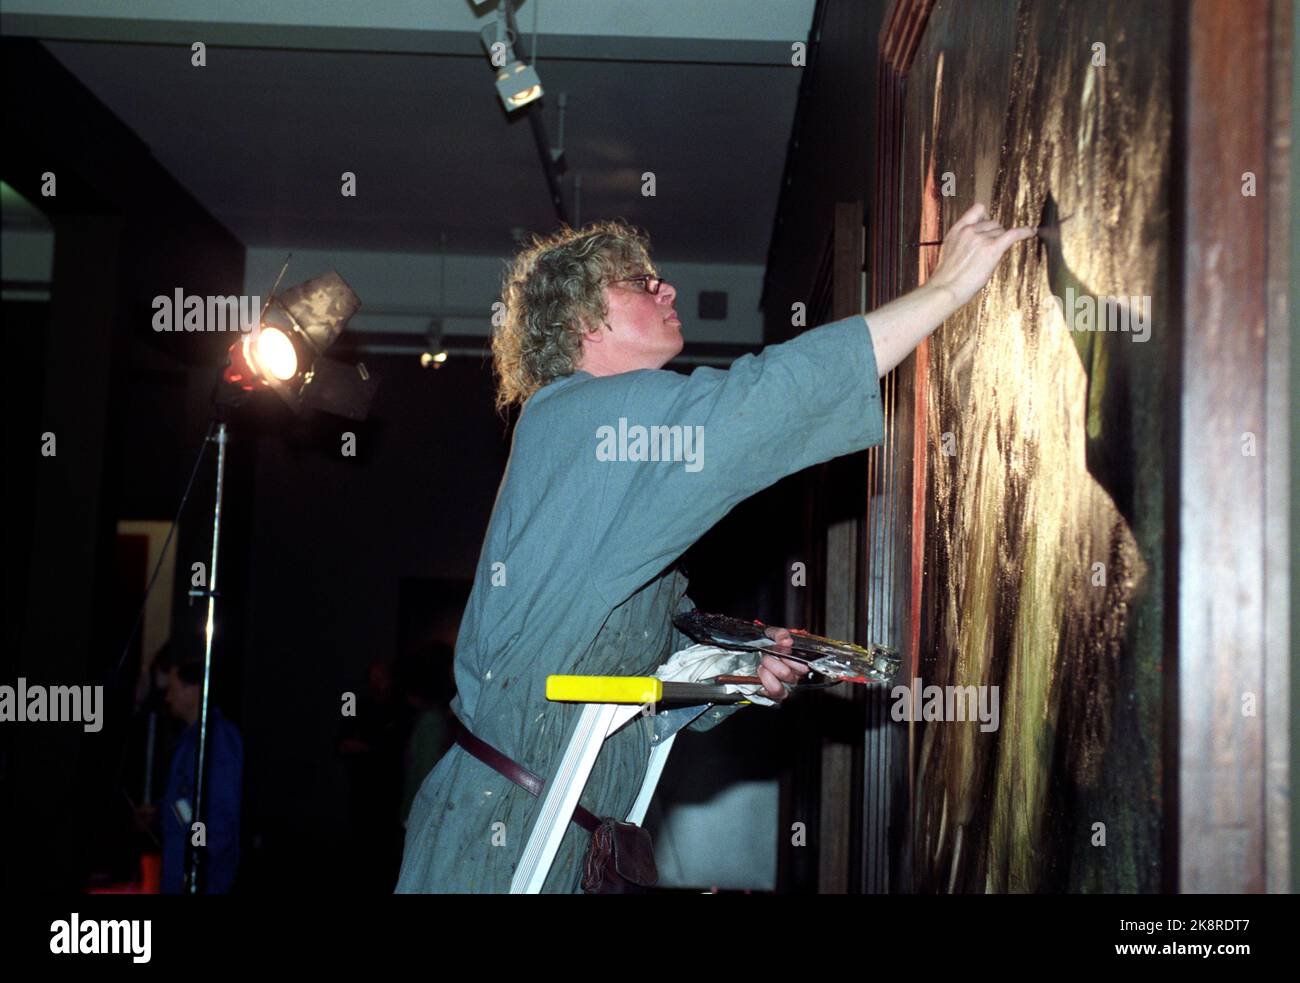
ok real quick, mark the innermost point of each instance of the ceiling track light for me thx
(517, 83)
(435, 353)
(519, 86)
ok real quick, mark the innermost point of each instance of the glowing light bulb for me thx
(275, 354)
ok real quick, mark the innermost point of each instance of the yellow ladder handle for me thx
(605, 689)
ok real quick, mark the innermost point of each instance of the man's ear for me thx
(587, 340)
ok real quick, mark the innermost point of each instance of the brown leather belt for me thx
(517, 773)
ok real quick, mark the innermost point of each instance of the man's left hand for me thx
(774, 671)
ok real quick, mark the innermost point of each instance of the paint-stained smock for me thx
(577, 576)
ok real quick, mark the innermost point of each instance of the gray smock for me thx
(577, 576)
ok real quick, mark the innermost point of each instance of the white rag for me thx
(701, 662)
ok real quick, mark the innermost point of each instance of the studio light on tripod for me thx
(285, 352)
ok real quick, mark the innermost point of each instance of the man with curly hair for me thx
(577, 574)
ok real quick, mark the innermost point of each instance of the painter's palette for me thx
(831, 658)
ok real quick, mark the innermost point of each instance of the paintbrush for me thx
(723, 680)
(1050, 229)
(831, 658)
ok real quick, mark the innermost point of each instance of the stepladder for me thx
(608, 704)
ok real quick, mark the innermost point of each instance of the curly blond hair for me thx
(554, 291)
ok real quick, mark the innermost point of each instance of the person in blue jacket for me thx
(577, 573)
(223, 792)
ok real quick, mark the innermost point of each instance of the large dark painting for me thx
(1046, 432)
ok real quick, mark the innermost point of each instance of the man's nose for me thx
(667, 291)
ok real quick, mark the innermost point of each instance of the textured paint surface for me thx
(1044, 527)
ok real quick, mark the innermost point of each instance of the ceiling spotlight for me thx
(435, 353)
(518, 85)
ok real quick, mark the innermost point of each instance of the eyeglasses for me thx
(649, 283)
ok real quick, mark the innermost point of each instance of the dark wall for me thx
(830, 160)
(334, 538)
(830, 154)
(126, 410)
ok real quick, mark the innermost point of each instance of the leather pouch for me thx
(620, 859)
